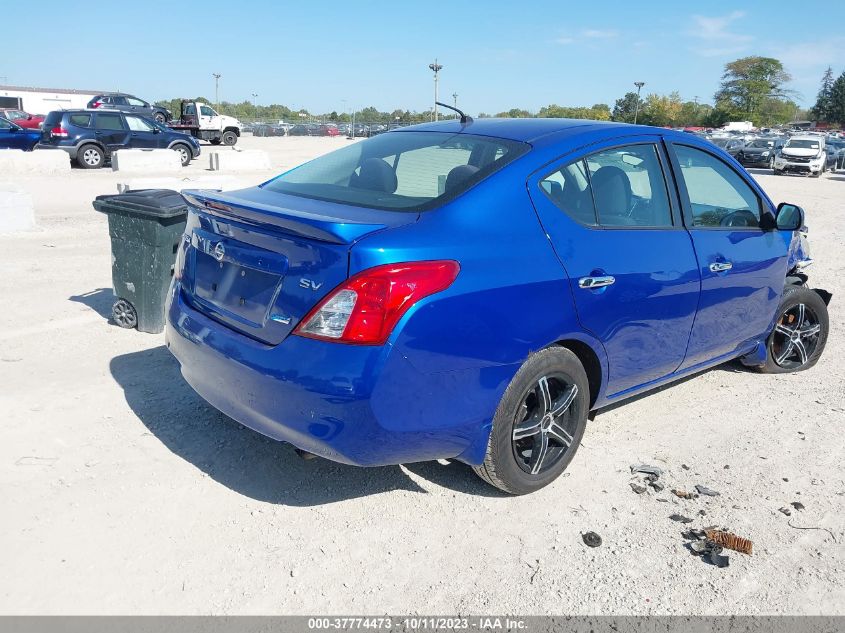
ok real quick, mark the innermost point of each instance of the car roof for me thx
(525, 130)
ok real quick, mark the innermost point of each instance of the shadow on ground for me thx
(249, 463)
(99, 300)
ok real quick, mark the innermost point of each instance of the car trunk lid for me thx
(258, 261)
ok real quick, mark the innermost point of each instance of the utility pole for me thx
(639, 85)
(436, 68)
(217, 77)
(255, 104)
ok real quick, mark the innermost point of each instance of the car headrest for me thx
(458, 174)
(376, 175)
(611, 189)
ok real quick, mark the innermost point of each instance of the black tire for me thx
(124, 314)
(801, 312)
(511, 463)
(160, 118)
(90, 157)
(229, 138)
(216, 140)
(777, 172)
(185, 154)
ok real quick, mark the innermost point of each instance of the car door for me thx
(9, 137)
(110, 129)
(207, 118)
(142, 133)
(742, 265)
(616, 228)
(138, 106)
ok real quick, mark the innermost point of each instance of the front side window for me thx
(400, 171)
(118, 100)
(15, 115)
(718, 196)
(137, 124)
(136, 102)
(206, 111)
(109, 122)
(5, 125)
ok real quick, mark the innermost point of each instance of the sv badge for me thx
(309, 285)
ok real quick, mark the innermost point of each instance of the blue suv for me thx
(473, 290)
(91, 137)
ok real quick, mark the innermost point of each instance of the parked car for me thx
(328, 129)
(760, 152)
(802, 154)
(268, 129)
(13, 136)
(130, 104)
(731, 145)
(92, 137)
(304, 129)
(23, 119)
(449, 290)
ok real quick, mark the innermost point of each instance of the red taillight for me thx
(96, 104)
(365, 309)
(59, 132)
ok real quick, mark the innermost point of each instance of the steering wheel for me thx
(743, 217)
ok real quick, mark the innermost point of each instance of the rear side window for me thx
(619, 187)
(80, 120)
(109, 122)
(718, 196)
(400, 171)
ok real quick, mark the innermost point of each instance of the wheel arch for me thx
(593, 365)
(232, 128)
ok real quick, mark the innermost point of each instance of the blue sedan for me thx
(13, 136)
(474, 290)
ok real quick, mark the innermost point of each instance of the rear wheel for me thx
(538, 424)
(90, 157)
(229, 138)
(800, 333)
(184, 153)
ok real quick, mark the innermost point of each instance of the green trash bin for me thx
(145, 227)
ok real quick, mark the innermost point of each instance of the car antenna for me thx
(464, 118)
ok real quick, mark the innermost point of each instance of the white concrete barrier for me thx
(48, 162)
(239, 160)
(16, 210)
(146, 160)
(217, 181)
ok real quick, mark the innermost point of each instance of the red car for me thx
(329, 129)
(23, 119)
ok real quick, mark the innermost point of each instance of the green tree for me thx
(821, 111)
(624, 108)
(837, 100)
(747, 82)
(662, 110)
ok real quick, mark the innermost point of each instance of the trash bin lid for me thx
(157, 203)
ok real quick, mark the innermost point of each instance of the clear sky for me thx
(496, 55)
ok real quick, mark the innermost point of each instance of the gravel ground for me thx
(123, 492)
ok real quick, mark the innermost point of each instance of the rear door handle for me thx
(596, 282)
(720, 267)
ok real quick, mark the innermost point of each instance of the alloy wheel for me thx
(91, 157)
(545, 424)
(796, 336)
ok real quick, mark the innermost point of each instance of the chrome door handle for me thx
(596, 282)
(720, 267)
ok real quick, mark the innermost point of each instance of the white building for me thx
(43, 100)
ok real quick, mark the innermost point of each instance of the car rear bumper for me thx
(360, 405)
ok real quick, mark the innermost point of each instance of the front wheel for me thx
(800, 333)
(229, 138)
(538, 424)
(160, 118)
(90, 157)
(184, 154)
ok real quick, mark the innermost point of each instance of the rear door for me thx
(616, 227)
(110, 129)
(742, 266)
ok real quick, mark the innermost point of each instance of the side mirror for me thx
(29, 117)
(790, 217)
(156, 130)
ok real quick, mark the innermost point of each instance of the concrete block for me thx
(143, 160)
(47, 162)
(217, 182)
(239, 160)
(16, 209)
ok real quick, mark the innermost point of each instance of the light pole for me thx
(455, 100)
(255, 104)
(639, 85)
(436, 68)
(217, 77)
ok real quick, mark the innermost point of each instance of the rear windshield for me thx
(53, 119)
(400, 171)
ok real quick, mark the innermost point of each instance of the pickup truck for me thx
(201, 121)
